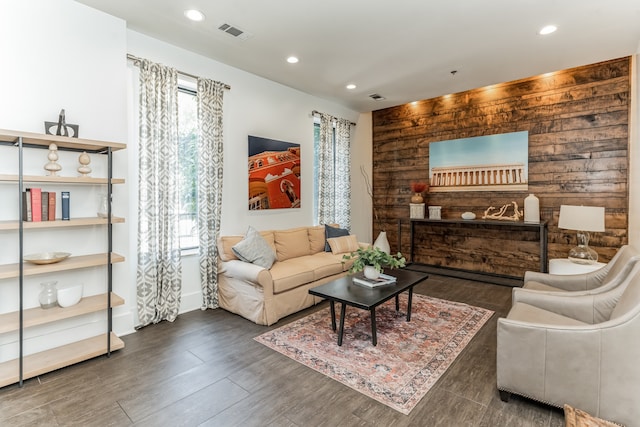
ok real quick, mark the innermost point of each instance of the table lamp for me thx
(583, 219)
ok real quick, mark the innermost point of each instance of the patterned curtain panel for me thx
(210, 154)
(334, 172)
(159, 270)
(343, 173)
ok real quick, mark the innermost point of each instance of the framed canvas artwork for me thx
(483, 163)
(274, 174)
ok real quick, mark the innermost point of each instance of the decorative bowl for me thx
(46, 257)
(69, 295)
(468, 215)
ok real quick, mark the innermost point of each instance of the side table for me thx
(564, 266)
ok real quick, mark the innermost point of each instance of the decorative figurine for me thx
(52, 167)
(517, 213)
(61, 127)
(84, 160)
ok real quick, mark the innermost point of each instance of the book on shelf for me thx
(65, 196)
(383, 279)
(45, 205)
(26, 205)
(52, 205)
(36, 204)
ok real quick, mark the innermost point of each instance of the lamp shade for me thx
(581, 218)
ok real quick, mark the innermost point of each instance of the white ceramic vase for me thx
(370, 272)
(531, 209)
(382, 242)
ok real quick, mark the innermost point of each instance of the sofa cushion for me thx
(226, 243)
(291, 243)
(343, 244)
(323, 264)
(333, 232)
(317, 239)
(290, 274)
(254, 248)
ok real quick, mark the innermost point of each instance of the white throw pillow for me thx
(254, 248)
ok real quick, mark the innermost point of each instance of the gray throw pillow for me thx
(254, 248)
(330, 232)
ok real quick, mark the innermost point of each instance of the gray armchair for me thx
(581, 350)
(608, 277)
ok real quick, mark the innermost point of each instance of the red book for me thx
(36, 204)
(52, 205)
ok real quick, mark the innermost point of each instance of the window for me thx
(188, 164)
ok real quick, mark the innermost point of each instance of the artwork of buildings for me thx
(274, 177)
(505, 177)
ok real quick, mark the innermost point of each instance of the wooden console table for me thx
(541, 228)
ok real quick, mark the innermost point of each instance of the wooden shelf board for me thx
(56, 358)
(73, 222)
(59, 179)
(61, 141)
(8, 271)
(38, 316)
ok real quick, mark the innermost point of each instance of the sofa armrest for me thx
(571, 282)
(579, 307)
(247, 272)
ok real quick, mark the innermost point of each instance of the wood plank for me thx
(38, 316)
(56, 358)
(60, 179)
(61, 141)
(73, 222)
(578, 124)
(8, 271)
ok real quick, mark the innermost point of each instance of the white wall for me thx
(253, 106)
(60, 54)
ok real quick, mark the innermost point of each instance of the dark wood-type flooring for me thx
(205, 369)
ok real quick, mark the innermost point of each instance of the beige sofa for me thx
(265, 295)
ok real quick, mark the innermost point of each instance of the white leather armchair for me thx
(608, 277)
(581, 350)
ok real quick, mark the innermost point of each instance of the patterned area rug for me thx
(409, 357)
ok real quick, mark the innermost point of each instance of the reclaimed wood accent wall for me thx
(578, 124)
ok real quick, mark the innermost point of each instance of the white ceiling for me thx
(403, 50)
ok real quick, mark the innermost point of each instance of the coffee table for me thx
(344, 291)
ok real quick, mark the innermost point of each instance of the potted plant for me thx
(418, 188)
(372, 260)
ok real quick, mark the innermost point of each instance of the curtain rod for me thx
(135, 58)
(316, 112)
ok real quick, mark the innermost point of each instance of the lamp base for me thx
(583, 255)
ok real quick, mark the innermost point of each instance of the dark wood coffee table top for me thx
(345, 291)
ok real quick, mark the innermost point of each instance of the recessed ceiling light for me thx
(194, 15)
(351, 86)
(292, 60)
(547, 30)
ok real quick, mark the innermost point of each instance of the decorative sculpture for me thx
(52, 167)
(84, 160)
(61, 128)
(517, 213)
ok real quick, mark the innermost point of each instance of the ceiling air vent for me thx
(376, 97)
(234, 31)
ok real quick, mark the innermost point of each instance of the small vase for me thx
(531, 209)
(382, 243)
(370, 272)
(48, 296)
(103, 208)
(417, 198)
